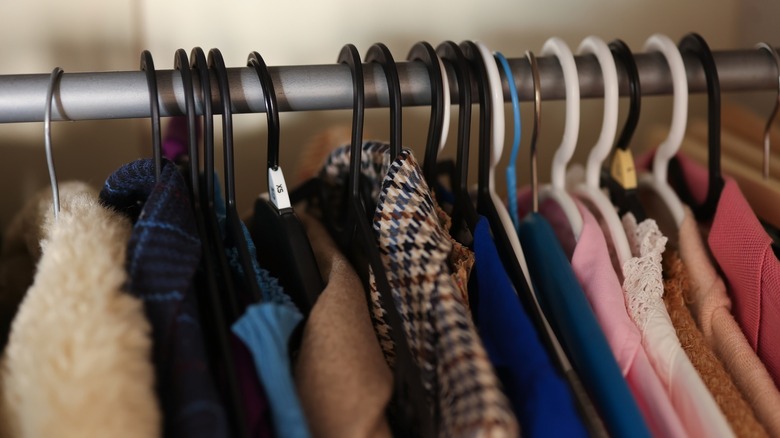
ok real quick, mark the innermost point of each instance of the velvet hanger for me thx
(233, 227)
(693, 43)
(199, 64)
(147, 65)
(621, 181)
(283, 248)
(440, 102)
(463, 212)
(210, 302)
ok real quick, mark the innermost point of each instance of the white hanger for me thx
(590, 189)
(557, 190)
(445, 125)
(657, 179)
(497, 148)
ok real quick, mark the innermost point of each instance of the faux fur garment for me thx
(77, 363)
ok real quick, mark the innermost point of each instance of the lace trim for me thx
(643, 273)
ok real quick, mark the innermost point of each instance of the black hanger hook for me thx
(349, 55)
(622, 53)
(217, 63)
(271, 107)
(380, 54)
(422, 51)
(199, 63)
(147, 65)
(694, 44)
(182, 65)
(449, 51)
(472, 54)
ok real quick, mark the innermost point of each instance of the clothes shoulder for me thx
(77, 361)
(540, 397)
(340, 369)
(563, 300)
(414, 250)
(737, 411)
(163, 256)
(710, 306)
(744, 253)
(592, 264)
(644, 290)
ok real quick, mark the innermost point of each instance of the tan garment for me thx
(341, 375)
(77, 363)
(737, 411)
(711, 308)
(461, 259)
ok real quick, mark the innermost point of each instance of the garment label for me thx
(277, 189)
(623, 170)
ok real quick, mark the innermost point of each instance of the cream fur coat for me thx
(77, 363)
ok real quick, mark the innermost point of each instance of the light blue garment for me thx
(566, 307)
(265, 328)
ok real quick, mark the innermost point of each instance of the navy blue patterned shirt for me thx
(163, 256)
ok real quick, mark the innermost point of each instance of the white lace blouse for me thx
(643, 286)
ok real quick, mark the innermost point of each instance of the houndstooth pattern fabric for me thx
(457, 375)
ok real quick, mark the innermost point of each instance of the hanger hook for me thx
(695, 44)
(147, 65)
(182, 65)
(55, 189)
(537, 127)
(277, 187)
(440, 102)
(380, 54)
(768, 127)
(449, 51)
(350, 56)
(623, 54)
(271, 107)
(511, 169)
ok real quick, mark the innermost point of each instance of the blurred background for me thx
(92, 35)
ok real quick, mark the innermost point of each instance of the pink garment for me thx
(710, 303)
(592, 265)
(744, 253)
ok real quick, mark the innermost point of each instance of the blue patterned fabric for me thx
(265, 328)
(163, 255)
(563, 301)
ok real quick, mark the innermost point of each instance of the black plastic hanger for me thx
(147, 65)
(380, 54)
(694, 44)
(233, 227)
(283, 248)
(463, 211)
(211, 306)
(485, 204)
(422, 51)
(208, 201)
(621, 180)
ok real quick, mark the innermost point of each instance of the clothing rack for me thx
(119, 95)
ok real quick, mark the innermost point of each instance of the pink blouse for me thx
(592, 265)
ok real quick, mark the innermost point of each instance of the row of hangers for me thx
(276, 224)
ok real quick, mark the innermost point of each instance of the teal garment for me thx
(563, 302)
(265, 328)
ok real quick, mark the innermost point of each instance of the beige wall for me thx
(90, 35)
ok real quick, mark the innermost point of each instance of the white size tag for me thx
(277, 189)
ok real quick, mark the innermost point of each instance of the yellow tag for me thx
(623, 170)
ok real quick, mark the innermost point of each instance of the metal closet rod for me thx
(119, 95)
